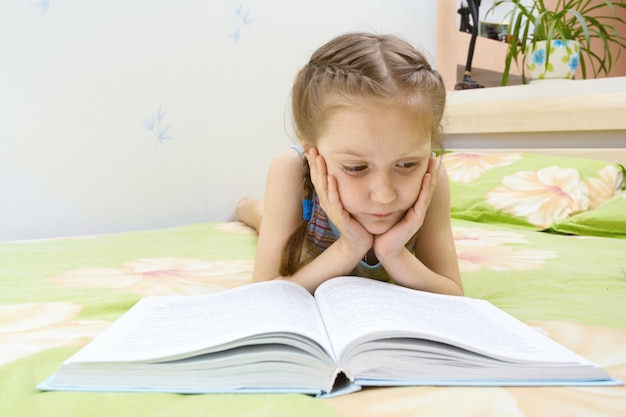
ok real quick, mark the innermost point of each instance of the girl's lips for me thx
(382, 215)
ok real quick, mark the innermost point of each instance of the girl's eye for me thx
(407, 165)
(354, 169)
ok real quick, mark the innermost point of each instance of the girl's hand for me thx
(393, 242)
(352, 232)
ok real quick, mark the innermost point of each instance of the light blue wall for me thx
(132, 114)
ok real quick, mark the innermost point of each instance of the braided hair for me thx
(347, 69)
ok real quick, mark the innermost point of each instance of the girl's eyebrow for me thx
(358, 155)
(350, 154)
(355, 153)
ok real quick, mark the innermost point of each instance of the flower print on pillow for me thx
(542, 196)
(610, 180)
(466, 167)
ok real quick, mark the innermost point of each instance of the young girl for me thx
(363, 194)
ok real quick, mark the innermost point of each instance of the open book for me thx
(276, 337)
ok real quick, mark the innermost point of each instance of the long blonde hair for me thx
(350, 68)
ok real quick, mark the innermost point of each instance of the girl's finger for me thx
(433, 167)
(427, 190)
(322, 175)
(333, 193)
(314, 168)
(311, 157)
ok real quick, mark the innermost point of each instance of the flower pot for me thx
(563, 60)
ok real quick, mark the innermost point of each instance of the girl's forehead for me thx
(371, 128)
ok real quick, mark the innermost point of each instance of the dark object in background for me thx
(468, 82)
(464, 11)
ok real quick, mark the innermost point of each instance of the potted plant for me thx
(531, 22)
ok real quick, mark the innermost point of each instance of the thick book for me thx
(276, 337)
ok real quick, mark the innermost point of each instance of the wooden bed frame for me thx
(585, 118)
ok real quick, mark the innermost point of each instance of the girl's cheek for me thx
(351, 192)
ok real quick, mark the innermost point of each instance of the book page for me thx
(354, 309)
(166, 327)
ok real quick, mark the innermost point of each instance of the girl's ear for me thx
(306, 146)
(312, 151)
(305, 142)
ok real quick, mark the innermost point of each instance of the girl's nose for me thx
(382, 189)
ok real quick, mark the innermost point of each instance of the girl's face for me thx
(379, 154)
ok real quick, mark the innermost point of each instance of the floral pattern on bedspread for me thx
(542, 196)
(466, 167)
(526, 189)
(480, 248)
(551, 194)
(161, 276)
(56, 295)
(34, 327)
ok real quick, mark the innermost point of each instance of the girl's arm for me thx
(281, 216)
(434, 265)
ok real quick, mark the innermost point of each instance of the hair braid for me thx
(292, 250)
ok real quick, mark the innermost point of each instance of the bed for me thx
(556, 263)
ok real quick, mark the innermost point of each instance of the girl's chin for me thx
(378, 228)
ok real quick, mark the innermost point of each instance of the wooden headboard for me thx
(585, 118)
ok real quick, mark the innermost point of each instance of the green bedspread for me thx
(56, 295)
